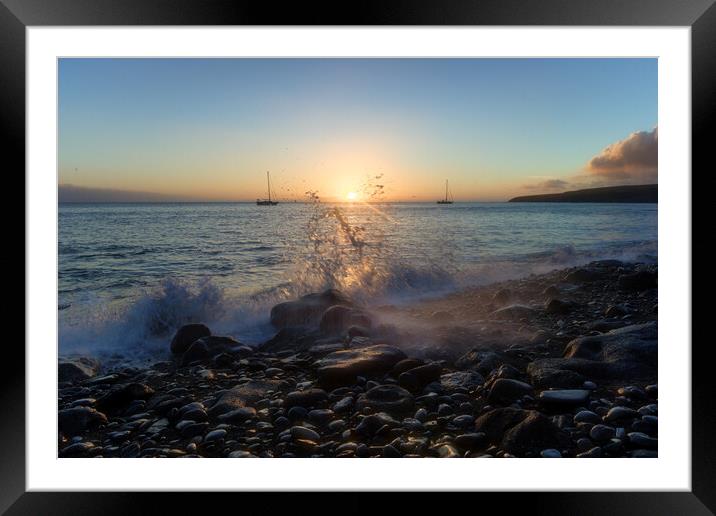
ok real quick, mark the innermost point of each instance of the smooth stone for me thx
(506, 390)
(595, 452)
(601, 433)
(301, 432)
(320, 416)
(565, 397)
(463, 421)
(187, 335)
(238, 415)
(587, 416)
(461, 380)
(215, 435)
(550, 453)
(470, 441)
(75, 420)
(387, 398)
(620, 413)
(642, 440)
(307, 399)
(344, 405)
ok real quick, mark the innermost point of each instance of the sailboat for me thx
(446, 200)
(267, 202)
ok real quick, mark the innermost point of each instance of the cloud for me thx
(549, 184)
(635, 157)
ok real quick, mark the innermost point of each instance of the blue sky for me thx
(210, 128)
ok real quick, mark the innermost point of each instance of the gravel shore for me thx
(562, 364)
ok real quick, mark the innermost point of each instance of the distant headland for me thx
(632, 193)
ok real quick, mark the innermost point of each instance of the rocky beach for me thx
(562, 364)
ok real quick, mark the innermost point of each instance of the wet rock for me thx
(391, 399)
(581, 275)
(620, 414)
(119, 397)
(418, 377)
(463, 421)
(625, 353)
(242, 395)
(520, 431)
(502, 296)
(186, 335)
(587, 416)
(461, 380)
(238, 415)
(76, 369)
(343, 405)
(307, 310)
(405, 365)
(641, 440)
(370, 425)
(601, 433)
(565, 397)
(546, 377)
(446, 451)
(76, 420)
(615, 311)
(337, 319)
(343, 367)
(320, 417)
(550, 453)
(592, 453)
(308, 399)
(481, 361)
(505, 391)
(215, 435)
(242, 454)
(206, 348)
(80, 449)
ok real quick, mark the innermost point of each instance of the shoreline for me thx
(556, 364)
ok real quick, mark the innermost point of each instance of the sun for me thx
(352, 196)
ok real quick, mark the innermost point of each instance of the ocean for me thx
(130, 274)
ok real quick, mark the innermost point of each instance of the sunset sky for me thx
(209, 129)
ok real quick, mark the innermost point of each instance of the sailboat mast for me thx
(446, 189)
(268, 183)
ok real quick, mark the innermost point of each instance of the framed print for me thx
(328, 245)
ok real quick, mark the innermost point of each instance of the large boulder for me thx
(337, 319)
(626, 353)
(210, 346)
(76, 369)
(342, 367)
(307, 310)
(467, 380)
(243, 395)
(186, 335)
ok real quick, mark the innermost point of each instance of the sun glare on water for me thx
(352, 196)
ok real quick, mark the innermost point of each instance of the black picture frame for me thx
(700, 15)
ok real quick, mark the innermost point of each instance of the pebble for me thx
(470, 441)
(550, 453)
(592, 453)
(421, 415)
(601, 433)
(565, 397)
(301, 432)
(642, 440)
(587, 416)
(620, 413)
(463, 421)
(215, 435)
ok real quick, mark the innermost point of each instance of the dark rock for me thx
(625, 353)
(309, 398)
(387, 398)
(370, 425)
(405, 365)
(418, 377)
(337, 319)
(520, 431)
(641, 440)
(207, 347)
(505, 391)
(297, 413)
(545, 377)
(620, 414)
(587, 416)
(470, 441)
(559, 307)
(119, 397)
(238, 415)
(601, 433)
(186, 335)
(638, 281)
(76, 420)
(307, 310)
(76, 369)
(461, 380)
(592, 453)
(502, 296)
(80, 449)
(343, 367)
(550, 453)
(243, 395)
(582, 275)
(565, 397)
(615, 311)
(481, 361)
